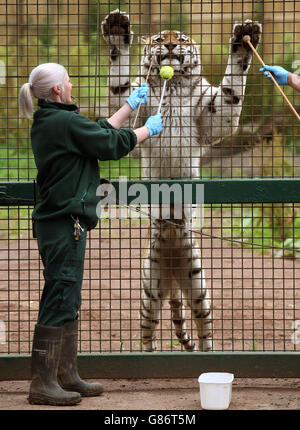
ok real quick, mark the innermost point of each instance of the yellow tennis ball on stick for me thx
(166, 72)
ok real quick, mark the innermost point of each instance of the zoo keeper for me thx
(66, 147)
(282, 76)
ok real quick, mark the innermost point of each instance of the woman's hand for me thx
(137, 95)
(279, 73)
(154, 124)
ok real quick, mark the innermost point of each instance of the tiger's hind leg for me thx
(199, 302)
(156, 286)
(178, 318)
(190, 276)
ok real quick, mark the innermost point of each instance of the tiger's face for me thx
(171, 48)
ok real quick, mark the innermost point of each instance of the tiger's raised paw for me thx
(241, 29)
(116, 28)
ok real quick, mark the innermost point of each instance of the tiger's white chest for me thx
(175, 152)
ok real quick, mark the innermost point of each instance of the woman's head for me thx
(46, 81)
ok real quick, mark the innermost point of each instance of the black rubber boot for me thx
(44, 388)
(67, 370)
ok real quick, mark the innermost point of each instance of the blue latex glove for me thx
(154, 124)
(135, 97)
(279, 73)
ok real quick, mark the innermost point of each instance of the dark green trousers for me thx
(63, 260)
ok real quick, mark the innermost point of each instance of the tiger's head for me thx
(171, 48)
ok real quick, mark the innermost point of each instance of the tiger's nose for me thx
(170, 46)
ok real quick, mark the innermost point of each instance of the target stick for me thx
(166, 73)
(246, 39)
(162, 96)
(138, 111)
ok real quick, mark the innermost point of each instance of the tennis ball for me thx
(166, 72)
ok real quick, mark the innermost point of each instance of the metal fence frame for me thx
(173, 364)
(281, 364)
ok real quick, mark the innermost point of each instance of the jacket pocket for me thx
(65, 296)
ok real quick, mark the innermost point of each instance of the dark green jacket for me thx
(66, 147)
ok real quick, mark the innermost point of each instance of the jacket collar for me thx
(42, 103)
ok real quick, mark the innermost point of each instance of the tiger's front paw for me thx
(241, 29)
(116, 28)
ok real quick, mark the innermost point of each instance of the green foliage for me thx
(265, 226)
(128, 167)
(176, 19)
(268, 225)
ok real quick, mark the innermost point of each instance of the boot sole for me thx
(36, 400)
(87, 394)
(83, 393)
(91, 394)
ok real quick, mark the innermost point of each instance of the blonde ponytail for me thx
(25, 100)
(41, 81)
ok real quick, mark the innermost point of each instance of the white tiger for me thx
(195, 116)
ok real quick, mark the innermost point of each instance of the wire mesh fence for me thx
(249, 251)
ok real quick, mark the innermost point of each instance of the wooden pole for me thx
(246, 39)
(138, 111)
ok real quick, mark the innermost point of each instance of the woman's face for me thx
(67, 90)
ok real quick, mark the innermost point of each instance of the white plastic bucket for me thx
(215, 390)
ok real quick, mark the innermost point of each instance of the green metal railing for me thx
(215, 190)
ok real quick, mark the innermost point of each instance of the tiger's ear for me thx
(144, 40)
